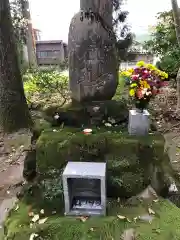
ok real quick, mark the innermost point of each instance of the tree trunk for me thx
(14, 113)
(178, 90)
(29, 35)
(176, 14)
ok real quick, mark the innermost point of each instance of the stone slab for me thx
(85, 169)
(139, 123)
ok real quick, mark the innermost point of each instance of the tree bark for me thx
(14, 112)
(29, 35)
(176, 14)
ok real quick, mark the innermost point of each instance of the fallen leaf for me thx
(42, 221)
(17, 207)
(121, 217)
(129, 220)
(83, 219)
(31, 225)
(158, 231)
(33, 236)
(35, 218)
(151, 211)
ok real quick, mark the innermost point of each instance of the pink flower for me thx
(135, 77)
(146, 72)
(164, 84)
(140, 94)
(136, 70)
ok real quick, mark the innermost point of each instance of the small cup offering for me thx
(87, 131)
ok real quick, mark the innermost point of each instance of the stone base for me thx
(138, 122)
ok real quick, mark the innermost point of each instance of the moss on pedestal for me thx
(164, 226)
(89, 113)
(130, 160)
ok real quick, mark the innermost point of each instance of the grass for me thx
(121, 91)
(165, 225)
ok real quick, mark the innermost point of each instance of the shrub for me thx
(46, 86)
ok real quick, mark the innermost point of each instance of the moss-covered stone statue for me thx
(93, 65)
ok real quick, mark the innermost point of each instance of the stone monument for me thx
(93, 66)
(84, 185)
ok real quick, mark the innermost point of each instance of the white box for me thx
(87, 181)
(139, 122)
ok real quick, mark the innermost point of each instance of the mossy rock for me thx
(130, 160)
(164, 226)
(93, 113)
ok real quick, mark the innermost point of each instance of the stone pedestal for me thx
(139, 122)
(84, 185)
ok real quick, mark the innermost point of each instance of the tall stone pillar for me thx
(93, 69)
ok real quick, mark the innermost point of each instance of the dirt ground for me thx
(167, 121)
(13, 149)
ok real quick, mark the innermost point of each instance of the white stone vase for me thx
(139, 122)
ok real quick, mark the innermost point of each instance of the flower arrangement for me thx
(145, 80)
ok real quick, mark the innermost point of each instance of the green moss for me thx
(129, 158)
(54, 149)
(76, 114)
(41, 124)
(164, 226)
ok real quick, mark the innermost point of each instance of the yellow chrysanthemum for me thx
(133, 85)
(132, 92)
(125, 74)
(144, 84)
(140, 64)
(161, 74)
(151, 67)
(164, 75)
(131, 70)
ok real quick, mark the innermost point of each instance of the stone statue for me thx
(93, 68)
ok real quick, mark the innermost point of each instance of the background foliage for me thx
(164, 44)
(46, 87)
